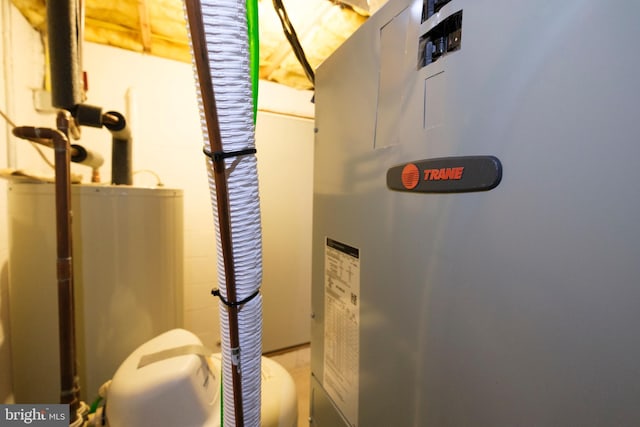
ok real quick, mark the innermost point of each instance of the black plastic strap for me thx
(219, 155)
(216, 293)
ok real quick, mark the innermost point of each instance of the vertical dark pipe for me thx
(66, 73)
(69, 382)
(121, 173)
(201, 57)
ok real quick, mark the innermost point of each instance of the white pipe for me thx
(131, 110)
(227, 46)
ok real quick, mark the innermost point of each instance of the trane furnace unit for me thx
(476, 246)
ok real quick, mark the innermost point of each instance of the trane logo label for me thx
(443, 174)
(411, 175)
(446, 175)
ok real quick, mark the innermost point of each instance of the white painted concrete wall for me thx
(22, 60)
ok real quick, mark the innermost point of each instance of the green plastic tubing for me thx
(254, 51)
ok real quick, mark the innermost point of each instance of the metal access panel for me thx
(476, 247)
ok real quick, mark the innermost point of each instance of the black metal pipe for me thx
(121, 172)
(67, 86)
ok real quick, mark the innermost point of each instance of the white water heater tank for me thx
(128, 279)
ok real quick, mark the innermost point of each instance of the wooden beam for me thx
(145, 26)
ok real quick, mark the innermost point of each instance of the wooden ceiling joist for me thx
(145, 25)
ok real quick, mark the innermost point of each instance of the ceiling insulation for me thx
(157, 27)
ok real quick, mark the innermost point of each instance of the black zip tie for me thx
(216, 293)
(220, 155)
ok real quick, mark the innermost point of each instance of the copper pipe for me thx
(49, 144)
(69, 382)
(110, 119)
(201, 57)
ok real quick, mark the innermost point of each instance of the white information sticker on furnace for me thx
(341, 326)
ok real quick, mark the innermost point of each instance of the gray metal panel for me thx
(518, 306)
(322, 412)
(349, 91)
(393, 39)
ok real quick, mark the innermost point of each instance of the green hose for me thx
(254, 51)
(221, 398)
(94, 406)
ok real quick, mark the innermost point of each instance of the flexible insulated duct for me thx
(218, 35)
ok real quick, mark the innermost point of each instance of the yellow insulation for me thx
(321, 26)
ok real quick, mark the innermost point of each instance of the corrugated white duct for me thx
(225, 30)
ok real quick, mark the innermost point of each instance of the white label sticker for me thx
(341, 327)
